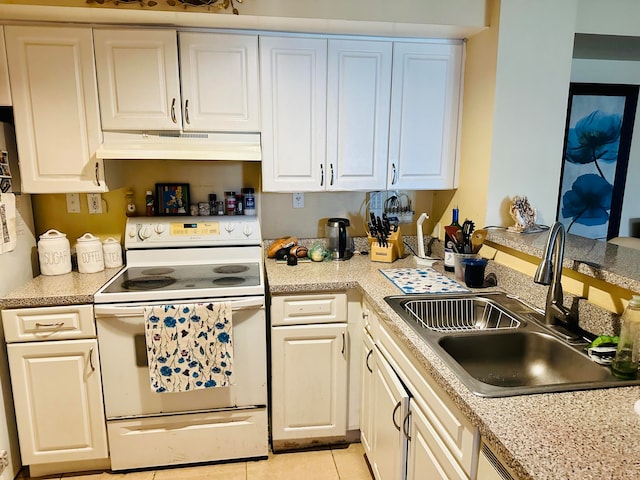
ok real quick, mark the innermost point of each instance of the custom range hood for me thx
(180, 146)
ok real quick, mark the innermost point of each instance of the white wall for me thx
(532, 81)
(625, 72)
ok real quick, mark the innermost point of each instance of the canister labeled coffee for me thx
(89, 252)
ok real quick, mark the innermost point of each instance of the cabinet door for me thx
(309, 381)
(55, 102)
(219, 78)
(425, 101)
(138, 79)
(366, 405)
(358, 93)
(293, 105)
(428, 456)
(390, 406)
(58, 401)
(5, 90)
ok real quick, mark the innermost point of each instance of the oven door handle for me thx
(133, 309)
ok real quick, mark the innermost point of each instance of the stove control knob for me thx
(132, 231)
(159, 228)
(247, 230)
(229, 227)
(144, 233)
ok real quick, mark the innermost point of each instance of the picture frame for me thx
(172, 199)
(595, 158)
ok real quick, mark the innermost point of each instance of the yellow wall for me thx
(477, 124)
(602, 294)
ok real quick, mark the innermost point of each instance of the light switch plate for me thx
(94, 202)
(73, 203)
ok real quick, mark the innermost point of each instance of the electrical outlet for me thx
(298, 200)
(94, 202)
(73, 203)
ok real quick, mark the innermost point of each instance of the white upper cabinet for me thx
(425, 103)
(5, 90)
(325, 113)
(293, 76)
(358, 92)
(138, 79)
(144, 87)
(219, 74)
(350, 114)
(56, 114)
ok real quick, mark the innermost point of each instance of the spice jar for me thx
(249, 201)
(230, 203)
(54, 253)
(239, 204)
(89, 252)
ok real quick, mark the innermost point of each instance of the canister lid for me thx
(87, 237)
(247, 190)
(52, 234)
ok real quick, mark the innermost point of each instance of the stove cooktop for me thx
(170, 283)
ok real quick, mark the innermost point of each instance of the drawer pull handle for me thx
(98, 173)
(393, 415)
(331, 165)
(186, 112)
(49, 325)
(93, 368)
(321, 175)
(344, 342)
(366, 362)
(393, 179)
(405, 426)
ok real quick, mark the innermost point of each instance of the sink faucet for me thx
(549, 273)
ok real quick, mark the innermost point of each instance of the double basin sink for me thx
(498, 346)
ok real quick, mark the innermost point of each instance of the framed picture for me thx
(172, 198)
(597, 142)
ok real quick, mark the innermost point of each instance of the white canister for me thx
(89, 253)
(112, 253)
(54, 253)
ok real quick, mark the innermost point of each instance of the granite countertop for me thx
(51, 290)
(591, 434)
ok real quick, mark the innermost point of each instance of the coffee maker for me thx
(339, 244)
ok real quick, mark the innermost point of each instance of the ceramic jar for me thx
(89, 253)
(54, 253)
(112, 253)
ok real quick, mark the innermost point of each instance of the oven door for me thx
(125, 372)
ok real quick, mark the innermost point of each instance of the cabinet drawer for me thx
(48, 323)
(305, 309)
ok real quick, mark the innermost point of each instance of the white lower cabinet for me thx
(410, 429)
(56, 383)
(428, 456)
(309, 365)
(366, 396)
(390, 406)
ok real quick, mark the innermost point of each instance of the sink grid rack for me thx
(459, 315)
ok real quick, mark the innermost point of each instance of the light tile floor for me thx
(347, 463)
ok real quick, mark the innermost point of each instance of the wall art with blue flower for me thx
(596, 154)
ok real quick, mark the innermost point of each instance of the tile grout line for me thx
(335, 464)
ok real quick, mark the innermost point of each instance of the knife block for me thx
(389, 253)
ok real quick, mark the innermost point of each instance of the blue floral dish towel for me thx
(189, 346)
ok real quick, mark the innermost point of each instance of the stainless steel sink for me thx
(498, 346)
